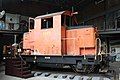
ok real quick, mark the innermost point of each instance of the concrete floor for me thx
(6, 77)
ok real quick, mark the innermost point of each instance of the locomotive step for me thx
(18, 61)
(18, 73)
(19, 65)
(27, 75)
(14, 62)
(26, 72)
(23, 68)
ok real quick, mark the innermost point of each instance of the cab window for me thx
(47, 23)
(31, 23)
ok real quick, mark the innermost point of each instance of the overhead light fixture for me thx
(99, 1)
(2, 14)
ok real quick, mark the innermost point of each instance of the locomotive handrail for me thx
(99, 50)
(99, 53)
(21, 58)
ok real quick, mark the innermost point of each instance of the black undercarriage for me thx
(89, 63)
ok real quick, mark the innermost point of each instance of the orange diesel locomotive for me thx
(57, 39)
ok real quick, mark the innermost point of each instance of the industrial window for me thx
(31, 23)
(118, 22)
(47, 23)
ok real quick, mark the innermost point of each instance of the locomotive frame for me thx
(77, 63)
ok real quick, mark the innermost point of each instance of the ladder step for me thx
(19, 65)
(27, 75)
(26, 72)
(23, 68)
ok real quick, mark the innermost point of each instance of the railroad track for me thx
(67, 74)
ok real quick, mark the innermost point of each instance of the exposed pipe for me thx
(15, 39)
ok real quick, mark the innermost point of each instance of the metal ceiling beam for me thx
(43, 6)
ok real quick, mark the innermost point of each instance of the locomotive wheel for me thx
(74, 68)
(84, 69)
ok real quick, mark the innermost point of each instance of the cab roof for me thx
(54, 14)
